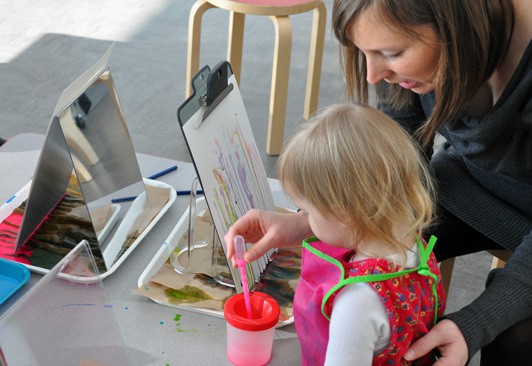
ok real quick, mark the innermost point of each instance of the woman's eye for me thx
(390, 56)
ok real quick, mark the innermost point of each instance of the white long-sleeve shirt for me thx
(359, 326)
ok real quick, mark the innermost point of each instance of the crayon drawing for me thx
(239, 184)
(228, 162)
(229, 165)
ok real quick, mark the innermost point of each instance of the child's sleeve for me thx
(359, 326)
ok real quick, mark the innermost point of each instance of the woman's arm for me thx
(506, 301)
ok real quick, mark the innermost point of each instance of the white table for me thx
(147, 328)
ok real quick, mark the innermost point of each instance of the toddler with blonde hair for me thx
(369, 285)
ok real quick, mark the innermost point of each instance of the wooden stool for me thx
(500, 257)
(279, 12)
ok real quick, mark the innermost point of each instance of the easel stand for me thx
(201, 236)
(228, 164)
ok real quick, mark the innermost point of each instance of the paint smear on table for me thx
(177, 320)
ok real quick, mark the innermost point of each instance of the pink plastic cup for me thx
(249, 341)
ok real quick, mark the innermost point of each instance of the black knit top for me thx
(484, 176)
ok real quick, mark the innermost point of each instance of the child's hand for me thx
(267, 230)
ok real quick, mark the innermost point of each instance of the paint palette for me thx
(159, 279)
(12, 277)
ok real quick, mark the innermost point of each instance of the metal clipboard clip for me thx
(209, 88)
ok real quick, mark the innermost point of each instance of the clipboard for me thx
(218, 134)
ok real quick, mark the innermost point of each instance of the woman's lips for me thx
(410, 84)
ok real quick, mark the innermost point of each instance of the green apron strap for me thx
(423, 269)
(322, 255)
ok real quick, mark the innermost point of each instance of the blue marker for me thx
(164, 172)
(154, 176)
(123, 199)
(186, 193)
(132, 198)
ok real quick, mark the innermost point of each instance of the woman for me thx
(463, 69)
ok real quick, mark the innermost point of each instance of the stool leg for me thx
(235, 43)
(497, 263)
(194, 37)
(279, 88)
(315, 58)
(446, 269)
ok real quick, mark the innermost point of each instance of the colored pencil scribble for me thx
(241, 182)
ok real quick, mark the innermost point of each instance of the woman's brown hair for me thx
(474, 37)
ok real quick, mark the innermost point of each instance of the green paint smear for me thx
(186, 294)
(177, 319)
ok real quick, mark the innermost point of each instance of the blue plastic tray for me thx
(12, 276)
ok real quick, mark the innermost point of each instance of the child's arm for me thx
(359, 326)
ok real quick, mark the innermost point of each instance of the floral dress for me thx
(413, 298)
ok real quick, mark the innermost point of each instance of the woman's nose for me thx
(376, 71)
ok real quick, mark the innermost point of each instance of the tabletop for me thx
(148, 329)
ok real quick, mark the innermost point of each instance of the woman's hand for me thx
(447, 337)
(267, 230)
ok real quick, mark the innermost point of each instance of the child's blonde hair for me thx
(355, 164)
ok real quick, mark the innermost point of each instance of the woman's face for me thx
(395, 56)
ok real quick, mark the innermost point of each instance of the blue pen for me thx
(154, 176)
(132, 198)
(186, 193)
(123, 199)
(160, 174)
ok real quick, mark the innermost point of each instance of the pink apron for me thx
(410, 297)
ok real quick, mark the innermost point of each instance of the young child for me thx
(369, 284)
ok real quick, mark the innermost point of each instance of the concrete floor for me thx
(47, 44)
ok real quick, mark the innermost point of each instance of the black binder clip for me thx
(209, 88)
